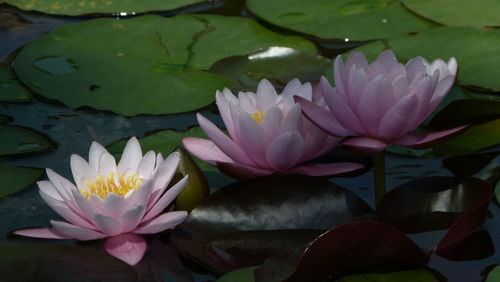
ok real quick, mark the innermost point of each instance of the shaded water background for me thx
(73, 130)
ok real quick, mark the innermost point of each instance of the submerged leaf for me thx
(18, 140)
(10, 88)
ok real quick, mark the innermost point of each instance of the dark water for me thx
(74, 130)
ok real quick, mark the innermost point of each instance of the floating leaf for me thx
(36, 262)
(158, 74)
(196, 189)
(240, 275)
(474, 48)
(432, 203)
(165, 142)
(244, 223)
(18, 140)
(457, 12)
(355, 247)
(469, 165)
(10, 89)
(407, 276)
(350, 19)
(472, 139)
(277, 64)
(494, 275)
(15, 179)
(82, 7)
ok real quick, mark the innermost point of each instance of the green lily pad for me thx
(165, 142)
(494, 275)
(277, 64)
(474, 138)
(457, 12)
(407, 276)
(476, 50)
(18, 140)
(241, 275)
(10, 89)
(342, 19)
(16, 178)
(82, 7)
(143, 65)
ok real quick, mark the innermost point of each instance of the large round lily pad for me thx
(81, 7)
(14, 178)
(144, 65)
(351, 19)
(476, 50)
(457, 12)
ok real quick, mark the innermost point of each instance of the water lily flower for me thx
(117, 202)
(267, 134)
(382, 103)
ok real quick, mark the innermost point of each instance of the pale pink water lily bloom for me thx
(382, 103)
(119, 202)
(267, 134)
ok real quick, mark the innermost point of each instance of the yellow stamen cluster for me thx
(258, 116)
(102, 186)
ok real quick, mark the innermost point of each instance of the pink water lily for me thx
(382, 103)
(267, 134)
(117, 202)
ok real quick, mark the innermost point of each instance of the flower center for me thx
(258, 116)
(102, 186)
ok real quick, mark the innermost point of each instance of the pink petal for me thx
(147, 165)
(440, 92)
(95, 153)
(204, 149)
(343, 112)
(166, 171)
(163, 222)
(82, 172)
(76, 232)
(252, 136)
(314, 141)
(107, 166)
(338, 76)
(223, 99)
(165, 199)
(272, 123)
(45, 233)
(357, 84)
(140, 195)
(322, 118)
(426, 140)
(114, 205)
(358, 59)
(132, 155)
(128, 247)
(132, 217)
(325, 169)
(365, 145)
(387, 59)
(64, 211)
(293, 120)
(396, 119)
(86, 207)
(225, 144)
(266, 95)
(376, 98)
(48, 188)
(247, 103)
(241, 171)
(415, 67)
(285, 150)
(108, 225)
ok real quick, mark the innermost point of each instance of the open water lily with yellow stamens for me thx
(267, 134)
(118, 202)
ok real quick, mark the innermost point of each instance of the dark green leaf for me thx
(18, 140)
(81, 7)
(240, 275)
(277, 64)
(350, 19)
(457, 12)
(14, 178)
(10, 89)
(158, 74)
(494, 275)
